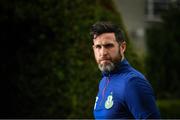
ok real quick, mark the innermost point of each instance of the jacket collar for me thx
(121, 65)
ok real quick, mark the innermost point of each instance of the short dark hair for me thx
(106, 27)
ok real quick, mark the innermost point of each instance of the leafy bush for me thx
(169, 109)
(47, 59)
(163, 66)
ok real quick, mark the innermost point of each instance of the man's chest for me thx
(110, 100)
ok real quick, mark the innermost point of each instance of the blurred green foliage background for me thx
(47, 62)
(163, 61)
(47, 54)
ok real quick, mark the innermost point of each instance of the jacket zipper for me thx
(104, 89)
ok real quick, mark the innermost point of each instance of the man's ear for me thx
(93, 46)
(123, 47)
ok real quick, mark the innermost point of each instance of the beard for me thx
(107, 67)
(112, 64)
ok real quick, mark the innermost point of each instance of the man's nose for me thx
(104, 51)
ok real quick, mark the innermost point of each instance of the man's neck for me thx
(122, 58)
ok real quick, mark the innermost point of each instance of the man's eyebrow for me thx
(104, 45)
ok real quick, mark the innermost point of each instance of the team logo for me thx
(109, 102)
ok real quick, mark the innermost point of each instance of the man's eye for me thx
(109, 46)
(98, 46)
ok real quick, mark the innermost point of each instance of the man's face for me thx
(107, 51)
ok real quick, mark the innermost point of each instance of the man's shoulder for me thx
(136, 74)
(136, 78)
(131, 73)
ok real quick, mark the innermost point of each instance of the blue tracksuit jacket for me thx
(125, 93)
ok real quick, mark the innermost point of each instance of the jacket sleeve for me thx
(139, 98)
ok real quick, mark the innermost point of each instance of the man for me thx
(123, 91)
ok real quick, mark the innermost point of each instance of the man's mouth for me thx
(105, 61)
